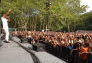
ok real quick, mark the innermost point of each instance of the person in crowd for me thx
(84, 51)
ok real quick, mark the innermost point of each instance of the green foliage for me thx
(32, 14)
(86, 19)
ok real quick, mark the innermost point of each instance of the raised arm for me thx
(9, 11)
(6, 14)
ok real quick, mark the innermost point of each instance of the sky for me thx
(89, 3)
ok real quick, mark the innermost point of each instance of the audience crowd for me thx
(73, 47)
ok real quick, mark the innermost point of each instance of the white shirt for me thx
(4, 22)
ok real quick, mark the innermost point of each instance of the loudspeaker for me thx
(38, 47)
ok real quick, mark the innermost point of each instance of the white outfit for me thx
(5, 27)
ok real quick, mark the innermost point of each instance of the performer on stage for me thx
(5, 18)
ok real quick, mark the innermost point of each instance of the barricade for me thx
(90, 58)
(63, 53)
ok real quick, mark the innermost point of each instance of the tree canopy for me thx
(34, 15)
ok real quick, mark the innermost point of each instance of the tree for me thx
(66, 12)
(86, 20)
(32, 14)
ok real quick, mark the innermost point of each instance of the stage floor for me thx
(13, 53)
